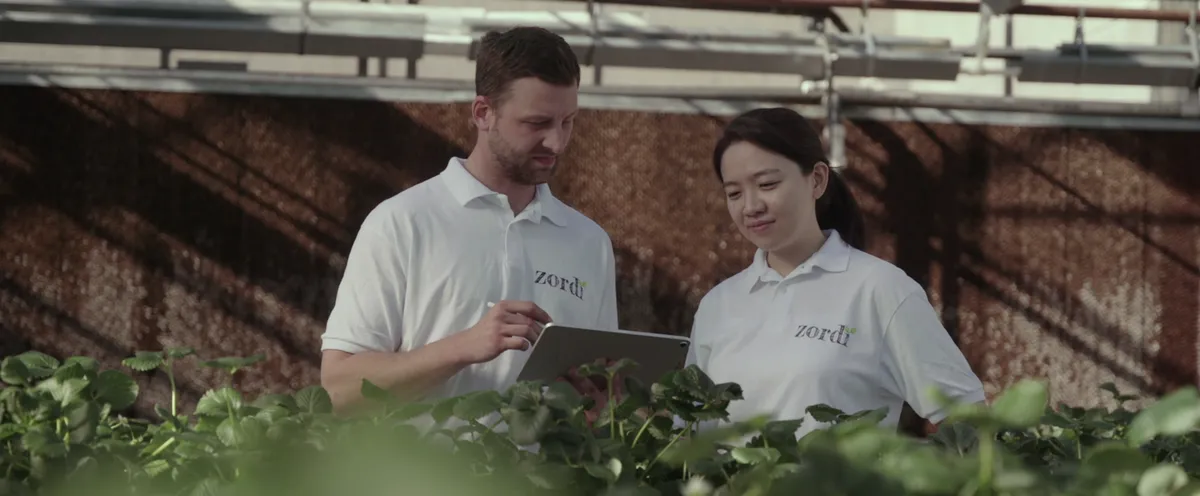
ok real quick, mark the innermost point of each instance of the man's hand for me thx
(509, 325)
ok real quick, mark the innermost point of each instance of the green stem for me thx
(612, 412)
(163, 447)
(174, 394)
(987, 456)
(645, 425)
(220, 473)
(18, 463)
(668, 446)
(15, 462)
(1059, 449)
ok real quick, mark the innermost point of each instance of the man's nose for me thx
(555, 140)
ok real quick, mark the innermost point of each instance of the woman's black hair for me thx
(787, 133)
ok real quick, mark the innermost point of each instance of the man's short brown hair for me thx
(519, 53)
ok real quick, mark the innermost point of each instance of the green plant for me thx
(65, 430)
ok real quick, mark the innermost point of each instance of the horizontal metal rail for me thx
(444, 91)
(621, 39)
(1089, 10)
(1113, 69)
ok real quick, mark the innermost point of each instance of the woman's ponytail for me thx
(837, 209)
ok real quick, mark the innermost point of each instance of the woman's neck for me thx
(786, 259)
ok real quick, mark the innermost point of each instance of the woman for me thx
(814, 319)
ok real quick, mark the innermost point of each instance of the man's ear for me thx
(481, 113)
(820, 176)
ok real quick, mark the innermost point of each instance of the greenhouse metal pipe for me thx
(852, 97)
(919, 5)
(142, 79)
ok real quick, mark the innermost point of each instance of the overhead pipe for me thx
(1090, 11)
(321, 85)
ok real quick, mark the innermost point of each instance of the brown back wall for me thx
(137, 220)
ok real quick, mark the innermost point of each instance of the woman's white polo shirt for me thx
(845, 329)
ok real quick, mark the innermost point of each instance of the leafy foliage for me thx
(64, 430)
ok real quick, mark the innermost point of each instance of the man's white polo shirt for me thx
(845, 329)
(427, 261)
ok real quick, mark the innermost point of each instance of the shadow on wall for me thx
(649, 295)
(143, 220)
(1034, 225)
(918, 207)
(1169, 226)
(133, 224)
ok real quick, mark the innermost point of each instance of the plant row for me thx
(66, 428)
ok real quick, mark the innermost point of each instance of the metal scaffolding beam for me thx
(1093, 10)
(621, 39)
(414, 31)
(148, 79)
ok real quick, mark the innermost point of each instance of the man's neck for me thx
(488, 172)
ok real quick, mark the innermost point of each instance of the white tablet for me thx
(561, 347)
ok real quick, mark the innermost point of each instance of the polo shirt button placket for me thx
(777, 315)
(510, 281)
(514, 264)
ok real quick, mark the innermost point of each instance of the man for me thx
(448, 282)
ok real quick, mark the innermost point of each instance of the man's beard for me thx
(518, 167)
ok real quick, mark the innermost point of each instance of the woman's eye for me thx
(768, 185)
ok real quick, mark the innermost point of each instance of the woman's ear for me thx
(820, 179)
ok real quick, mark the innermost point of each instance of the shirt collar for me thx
(833, 256)
(465, 188)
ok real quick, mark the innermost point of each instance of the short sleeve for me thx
(608, 318)
(697, 355)
(368, 308)
(919, 355)
(698, 351)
